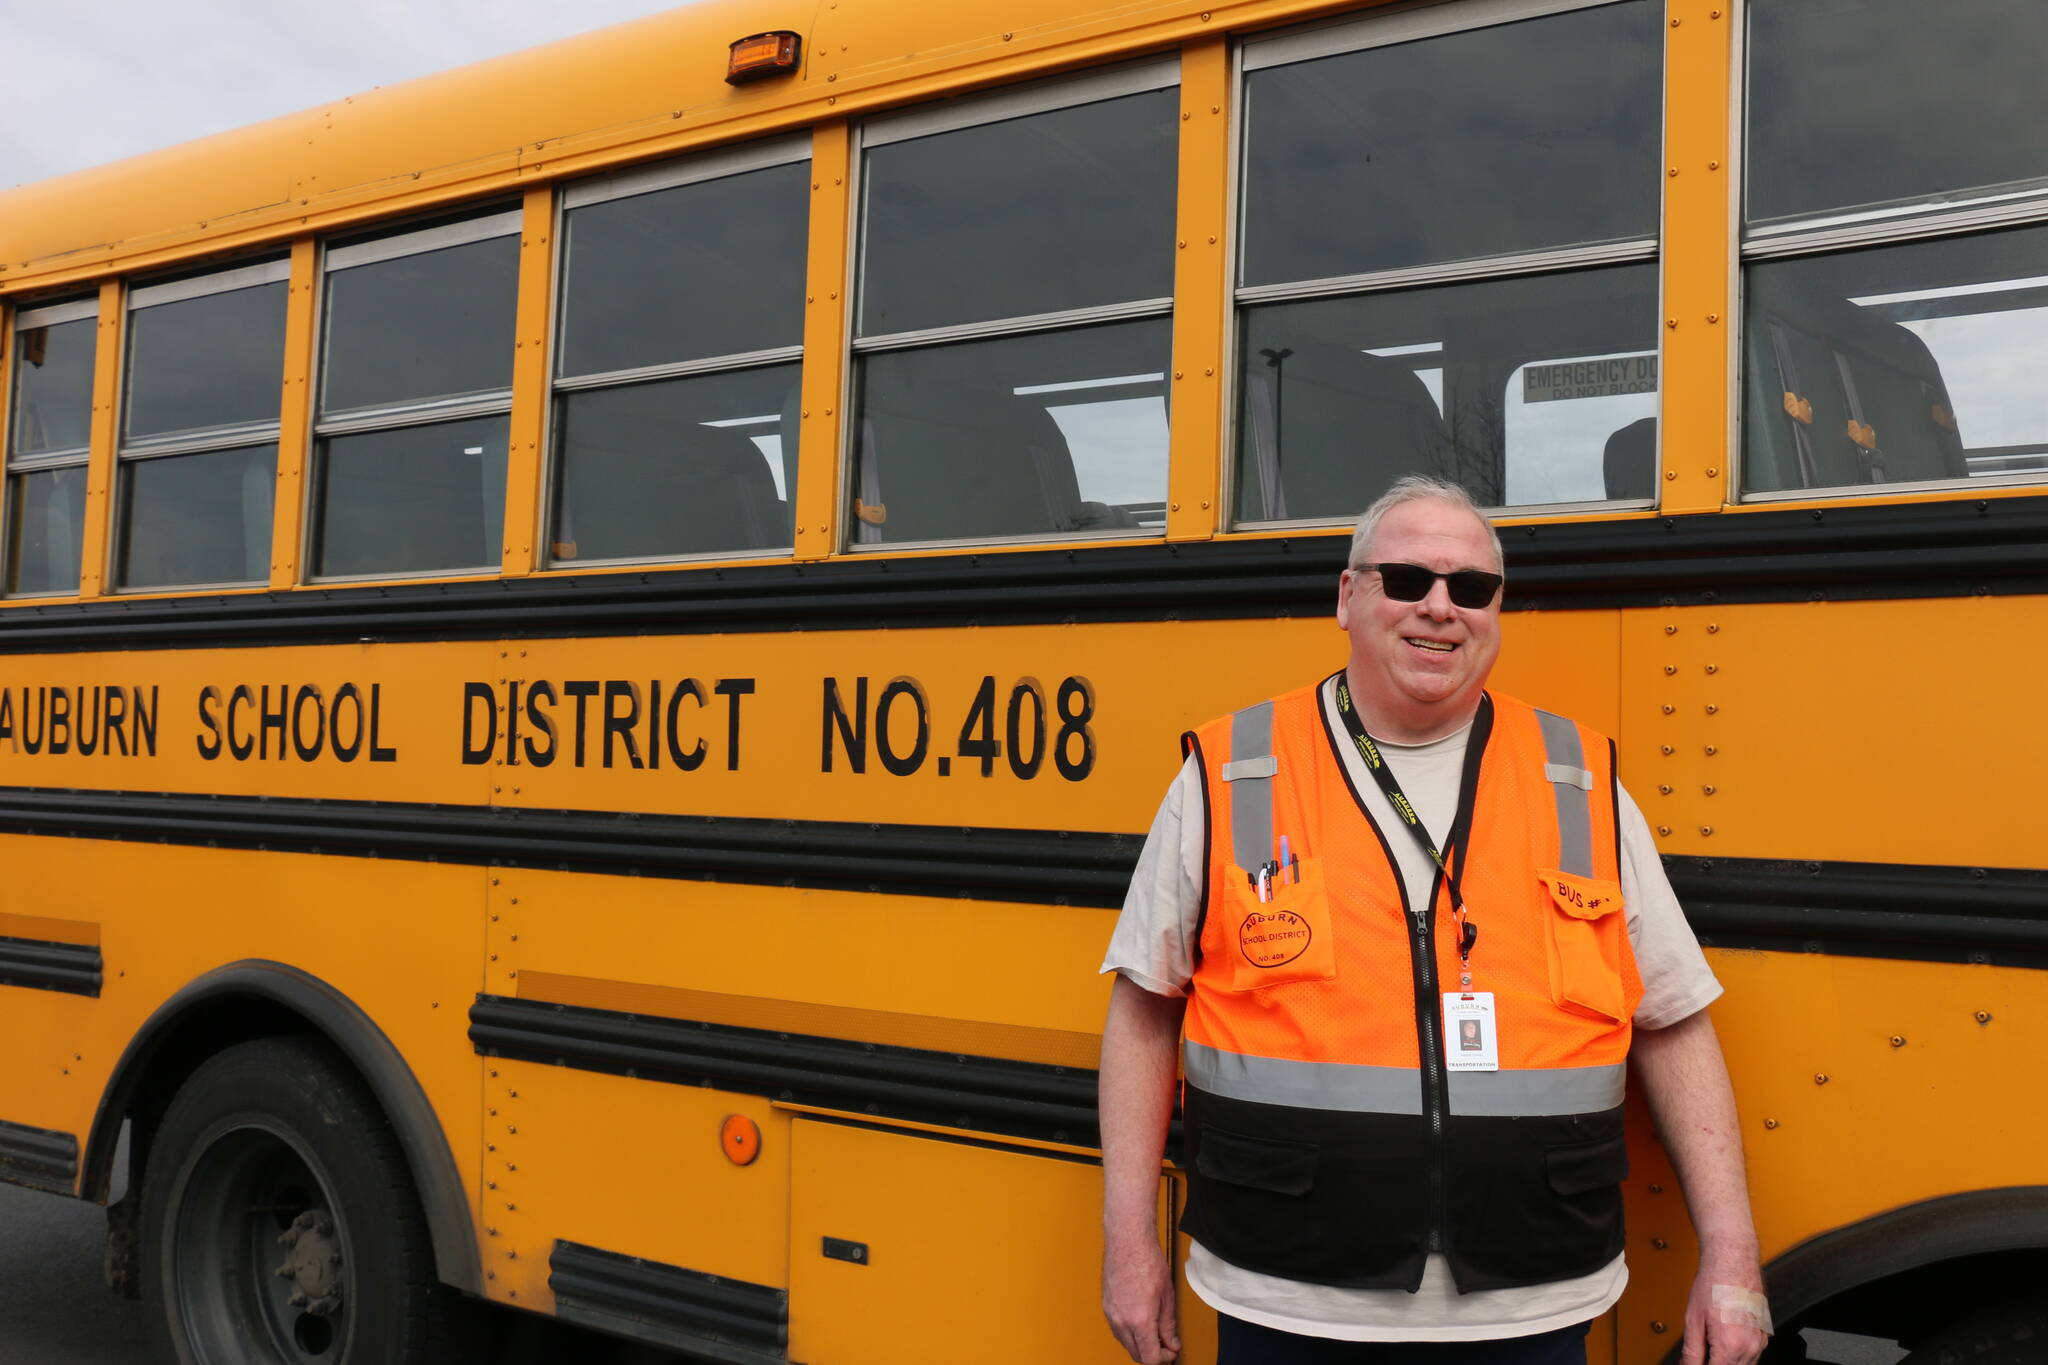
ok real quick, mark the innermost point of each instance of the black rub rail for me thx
(710, 1316)
(1966, 547)
(40, 1158)
(38, 965)
(955, 1090)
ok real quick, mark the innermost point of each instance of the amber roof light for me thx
(764, 54)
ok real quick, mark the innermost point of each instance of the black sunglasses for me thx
(1469, 588)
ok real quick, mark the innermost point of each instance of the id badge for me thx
(1471, 1040)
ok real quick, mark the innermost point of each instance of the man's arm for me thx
(1136, 1103)
(1686, 1083)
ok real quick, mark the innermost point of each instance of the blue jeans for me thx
(1245, 1343)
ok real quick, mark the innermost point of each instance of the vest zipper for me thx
(1422, 953)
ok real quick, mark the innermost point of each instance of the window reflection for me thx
(691, 466)
(1493, 141)
(1526, 390)
(45, 521)
(53, 387)
(1846, 109)
(1901, 364)
(1037, 434)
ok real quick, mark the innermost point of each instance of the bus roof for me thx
(634, 90)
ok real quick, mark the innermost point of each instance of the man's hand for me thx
(1730, 1332)
(1137, 1298)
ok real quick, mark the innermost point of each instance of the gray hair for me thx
(1418, 488)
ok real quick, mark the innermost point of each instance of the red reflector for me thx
(763, 54)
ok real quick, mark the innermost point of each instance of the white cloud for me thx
(91, 81)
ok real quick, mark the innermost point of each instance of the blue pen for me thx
(1285, 861)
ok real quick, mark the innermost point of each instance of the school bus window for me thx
(1896, 310)
(1847, 112)
(48, 442)
(199, 424)
(1016, 268)
(1395, 153)
(416, 374)
(677, 374)
(1899, 364)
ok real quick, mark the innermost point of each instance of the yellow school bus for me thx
(588, 641)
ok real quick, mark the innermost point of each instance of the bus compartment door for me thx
(908, 1249)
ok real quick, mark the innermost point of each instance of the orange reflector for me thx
(763, 54)
(740, 1136)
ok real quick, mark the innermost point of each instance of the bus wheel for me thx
(279, 1222)
(2002, 1336)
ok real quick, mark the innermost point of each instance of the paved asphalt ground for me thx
(55, 1308)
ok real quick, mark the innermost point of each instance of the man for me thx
(1340, 880)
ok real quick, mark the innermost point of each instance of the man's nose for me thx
(1436, 603)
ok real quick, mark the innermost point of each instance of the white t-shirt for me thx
(1154, 945)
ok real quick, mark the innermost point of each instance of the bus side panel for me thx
(964, 1252)
(400, 940)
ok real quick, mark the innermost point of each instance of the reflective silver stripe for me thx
(1344, 1088)
(1243, 768)
(1574, 808)
(1305, 1085)
(1251, 797)
(1534, 1094)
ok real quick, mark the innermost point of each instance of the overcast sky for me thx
(91, 81)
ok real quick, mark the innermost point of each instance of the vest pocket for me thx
(1257, 1163)
(1585, 976)
(1278, 942)
(1584, 1167)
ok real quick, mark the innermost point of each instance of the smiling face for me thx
(1417, 668)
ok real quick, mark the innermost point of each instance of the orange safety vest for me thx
(1326, 1139)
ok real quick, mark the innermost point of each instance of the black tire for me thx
(2016, 1334)
(280, 1225)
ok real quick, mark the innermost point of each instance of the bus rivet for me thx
(1713, 165)
(1176, 374)
(1671, 630)
(1660, 1244)
(1711, 751)
(1185, 116)
(1820, 1078)
(1663, 790)
(1983, 1016)
(1713, 473)
(1897, 1041)
(1770, 1123)
(1669, 669)
(1205, 504)
(1210, 369)
(1674, 23)
(1666, 750)
(1657, 1327)
(1713, 668)
(1708, 790)
(1713, 710)
(1706, 831)
(1182, 244)
(1673, 171)
(1669, 708)
(1713, 317)
(1176, 507)
(1664, 831)
(1670, 474)
(1656, 1189)
(1713, 630)
(1671, 322)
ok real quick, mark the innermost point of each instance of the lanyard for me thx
(1376, 764)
